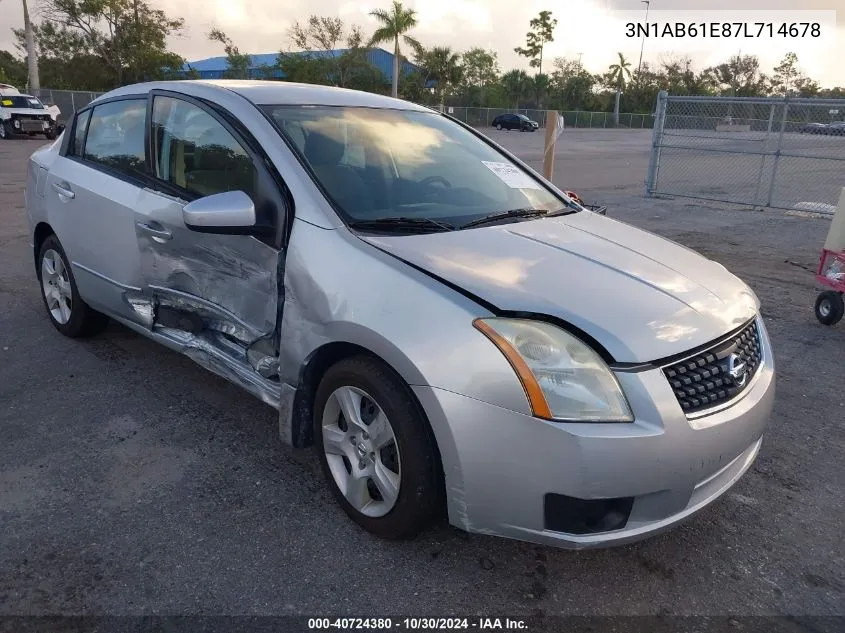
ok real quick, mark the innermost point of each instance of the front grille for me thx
(704, 381)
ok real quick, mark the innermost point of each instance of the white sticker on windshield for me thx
(511, 175)
(34, 102)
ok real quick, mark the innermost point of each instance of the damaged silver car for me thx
(448, 329)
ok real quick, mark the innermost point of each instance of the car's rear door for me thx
(92, 189)
(208, 284)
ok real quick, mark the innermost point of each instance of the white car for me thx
(22, 114)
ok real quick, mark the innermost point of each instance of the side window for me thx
(116, 136)
(79, 133)
(193, 151)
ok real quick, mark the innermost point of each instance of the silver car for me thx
(449, 330)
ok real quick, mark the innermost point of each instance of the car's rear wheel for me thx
(69, 313)
(499, 126)
(376, 449)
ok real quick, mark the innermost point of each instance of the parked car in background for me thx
(827, 129)
(22, 114)
(837, 129)
(812, 128)
(515, 122)
(442, 324)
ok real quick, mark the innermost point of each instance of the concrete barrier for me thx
(727, 127)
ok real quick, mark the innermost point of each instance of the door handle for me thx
(158, 233)
(63, 189)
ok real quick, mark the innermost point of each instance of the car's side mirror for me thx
(230, 212)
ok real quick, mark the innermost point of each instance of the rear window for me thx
(21, 101)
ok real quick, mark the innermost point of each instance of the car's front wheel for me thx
(376, 448)
(4, 130)
(68, 312)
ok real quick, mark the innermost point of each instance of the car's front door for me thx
(92, 190)
(222, 289)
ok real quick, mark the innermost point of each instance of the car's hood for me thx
(641, 296)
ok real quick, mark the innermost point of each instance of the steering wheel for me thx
(433, 179)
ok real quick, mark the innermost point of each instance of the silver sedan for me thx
(450, 331)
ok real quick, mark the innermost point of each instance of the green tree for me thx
(571, 86)
(237, 63)
(788, 79)
(542, 83)
(395, 24)
(516, 84)
(129, 37)
(480, 70)
(541, 33)
(444, 67)
(12, 69)
(349, 68)
(618, 75)
(740, 76)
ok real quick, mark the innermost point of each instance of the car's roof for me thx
(274, 92)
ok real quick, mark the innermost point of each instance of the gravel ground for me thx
(134, 482)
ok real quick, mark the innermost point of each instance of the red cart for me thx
(830, 306)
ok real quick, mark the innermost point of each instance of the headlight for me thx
(563, 378)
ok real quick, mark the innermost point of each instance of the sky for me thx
(590, 30)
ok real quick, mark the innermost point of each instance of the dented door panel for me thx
(218, 283)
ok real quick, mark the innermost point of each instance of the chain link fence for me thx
(783, 153)
(483, 117)
(69, 101)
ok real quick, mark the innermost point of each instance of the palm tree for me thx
(31, 53)
(516, 83)
(395, 24)
(444, 66)
(618, 74)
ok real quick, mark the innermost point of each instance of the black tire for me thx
(420, 487)
(5, 130)
(50, 135)
(829, 307)
(84, 321)
(499, 126)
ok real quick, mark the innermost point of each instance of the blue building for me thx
(262, 66)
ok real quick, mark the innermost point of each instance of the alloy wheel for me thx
(361, 451)
(55, 284)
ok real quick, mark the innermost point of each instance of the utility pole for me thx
(642, 46)
(31, 54)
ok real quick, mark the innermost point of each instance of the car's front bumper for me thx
(500, 465)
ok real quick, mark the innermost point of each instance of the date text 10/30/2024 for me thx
(749, 30)
(417, 624)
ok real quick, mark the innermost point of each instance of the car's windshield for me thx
(379, 163)
(523, 117)
(21, 101)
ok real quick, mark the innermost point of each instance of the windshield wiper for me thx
(402, 223)
(504, 215)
